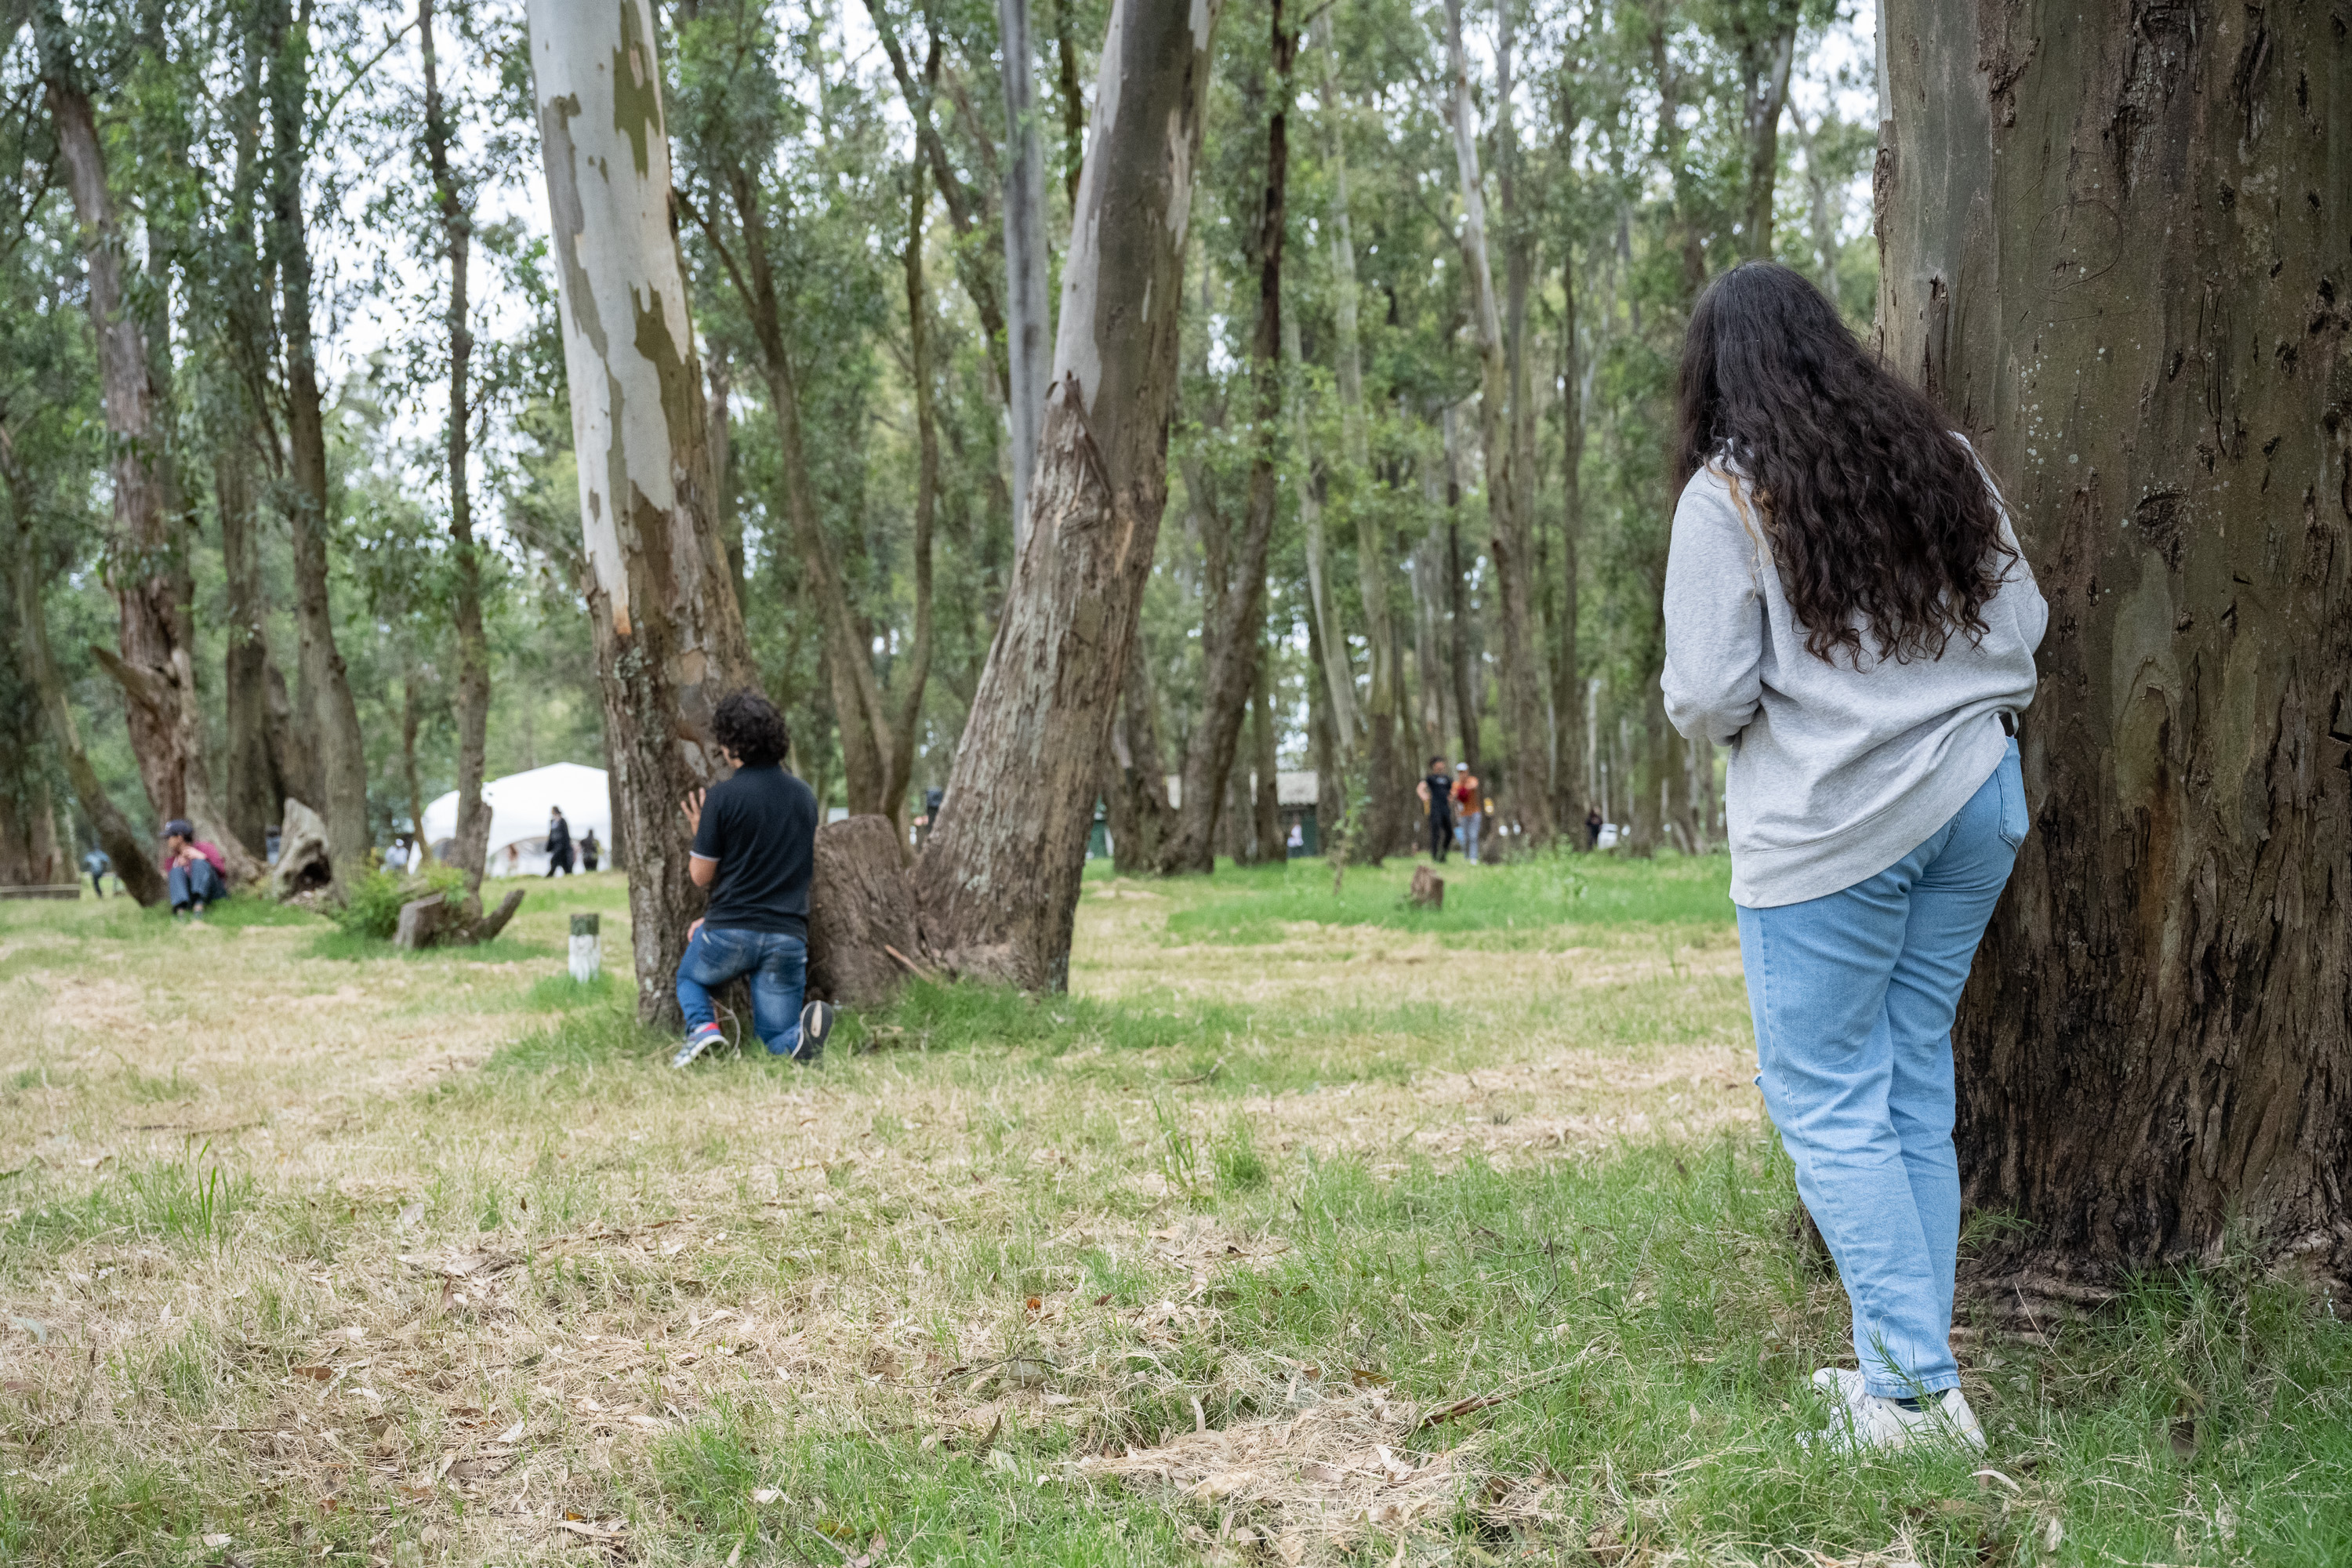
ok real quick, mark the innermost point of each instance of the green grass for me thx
(966, 1150)
(1546, 903)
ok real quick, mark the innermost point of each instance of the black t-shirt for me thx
(1441, 795)
(761, 826)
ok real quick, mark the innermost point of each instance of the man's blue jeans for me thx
(1852, 994)
(777, 967)
(195, 883)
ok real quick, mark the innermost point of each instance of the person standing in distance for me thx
(1847, 608)
(755, 848)
(1437, 792)
(1469, 808)
(559, 842)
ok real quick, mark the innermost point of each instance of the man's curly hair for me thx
(749, 725)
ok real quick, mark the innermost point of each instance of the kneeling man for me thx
(754, 847)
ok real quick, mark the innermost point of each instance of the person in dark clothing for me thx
(559, 842)
(1592, 826)
(1437, 792)
(589, 850)
(193, 869)
(755, 848)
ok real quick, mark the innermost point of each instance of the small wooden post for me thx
(585, 958)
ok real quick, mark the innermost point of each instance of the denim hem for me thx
(1920, 1388)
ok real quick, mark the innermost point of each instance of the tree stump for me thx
(302, 859)
(421, 921)
(861, 905)
(1428, 889)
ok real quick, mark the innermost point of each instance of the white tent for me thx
(519, 806)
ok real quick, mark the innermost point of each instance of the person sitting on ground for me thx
(559, 842)
(755, 848)
(589, 850)
(193, 870)
(1469, 808)
(1436, 793)
(1848, 608)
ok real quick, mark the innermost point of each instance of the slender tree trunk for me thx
(1821, 192)
(133, 852)
(412, 719)
(1073, 108)
(1027, 323)
(2113, 248)
(253, 797)
(1766, 77)
(333, 718)
(730, 521)
(1527, 783)
(669, 633)
(1135, 783)
(1387, 817)
(1519, 278)
(1464, 658)
(473, 839)
(864, 723)
(965, 213)
(1331, 643)
(1234, 635)
(908, 722)
(1567, 689)
(1326, 753)
(1264, 762)
(999, 879)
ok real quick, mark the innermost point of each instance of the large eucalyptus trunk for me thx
(1528, 782)
(327, 707)
(457, 214)
(253, 797)
(133, 852)
(2113, 248)
(147, 564)
(669, 632)
(999, 877)
(1569, 785)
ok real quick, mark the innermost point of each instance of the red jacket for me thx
(206, 848)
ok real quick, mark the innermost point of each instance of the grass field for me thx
(1305, 1228)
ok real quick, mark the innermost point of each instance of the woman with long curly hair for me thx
(1847, 609)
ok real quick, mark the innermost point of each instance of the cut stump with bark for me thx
(861, 906)
(303, 863)
(421, 921)
(1428, 889)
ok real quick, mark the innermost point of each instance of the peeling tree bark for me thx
(668, 631)
(999, 877)
(1528, 785)
(2114, 249)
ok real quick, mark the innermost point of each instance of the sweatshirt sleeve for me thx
(1715, 615)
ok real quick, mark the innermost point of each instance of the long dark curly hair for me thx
(749, 725)
(1877, 516)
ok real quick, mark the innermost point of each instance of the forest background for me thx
(357, 458)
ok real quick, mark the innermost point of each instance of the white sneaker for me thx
(697, 1043)
(1862, 1420)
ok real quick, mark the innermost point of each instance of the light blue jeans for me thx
(777, 964)
(1472, 821)
(1852, 994)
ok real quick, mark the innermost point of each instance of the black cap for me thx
(179, 827)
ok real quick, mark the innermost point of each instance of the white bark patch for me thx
(617, 261)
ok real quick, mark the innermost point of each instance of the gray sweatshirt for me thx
(1837, 772)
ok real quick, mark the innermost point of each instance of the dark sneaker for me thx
(697, 1043)
(816, 1024)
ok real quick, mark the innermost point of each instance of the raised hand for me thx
(692, 806)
